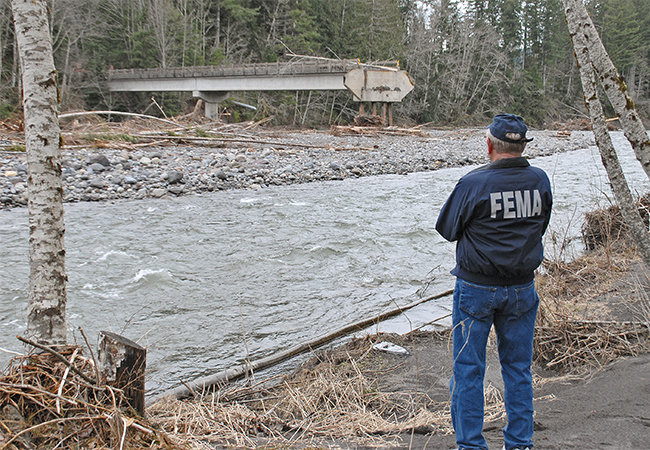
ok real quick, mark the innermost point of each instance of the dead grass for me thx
(570, 290)
(577, 330)
(331, 399)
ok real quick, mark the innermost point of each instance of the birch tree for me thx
(47, 291)
(612, 82)
(608, 154)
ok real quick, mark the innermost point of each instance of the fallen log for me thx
(342, 130)
(202, 384)
(251, 141)
(116, 113)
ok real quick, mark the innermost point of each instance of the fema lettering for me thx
(516, 204)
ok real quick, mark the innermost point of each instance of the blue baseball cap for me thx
(509, 123)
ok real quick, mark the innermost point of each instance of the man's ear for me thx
(490, 146)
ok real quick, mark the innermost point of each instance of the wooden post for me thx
(362, 109)
(374, 108)
(383, 113)
(122, 363)
(390, 114)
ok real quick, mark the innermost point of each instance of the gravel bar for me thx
(279, 158)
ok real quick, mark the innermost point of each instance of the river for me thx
(206, 281)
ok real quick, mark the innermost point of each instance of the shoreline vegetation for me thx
(594, 311)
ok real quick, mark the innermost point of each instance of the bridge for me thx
(213, 84)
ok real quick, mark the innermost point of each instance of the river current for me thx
(205, 282)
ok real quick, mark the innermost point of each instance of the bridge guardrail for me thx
(258, 69)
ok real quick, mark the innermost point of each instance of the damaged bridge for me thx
(369, 83)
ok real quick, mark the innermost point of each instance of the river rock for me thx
(97, 183)
(174, 177)
(99, 159)
(158, 192)
(97, 167)
(74, 165)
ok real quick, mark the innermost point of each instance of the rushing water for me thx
(205, 281)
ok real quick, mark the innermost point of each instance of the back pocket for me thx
(527, 298)
(476, 300)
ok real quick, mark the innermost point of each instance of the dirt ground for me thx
(607, 409)
(594, 408)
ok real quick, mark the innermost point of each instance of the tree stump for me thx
(122, 364)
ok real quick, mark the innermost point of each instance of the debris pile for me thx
(48, 403)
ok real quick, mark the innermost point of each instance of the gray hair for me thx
(507, 147)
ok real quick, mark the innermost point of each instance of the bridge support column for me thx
(212, 100)
(212, 110)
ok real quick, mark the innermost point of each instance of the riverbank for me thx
(590, 385)
(114, 165)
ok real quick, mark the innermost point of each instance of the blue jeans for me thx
(512, 310)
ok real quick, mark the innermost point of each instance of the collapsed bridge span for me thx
(213, 84)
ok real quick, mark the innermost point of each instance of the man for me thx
(497, 214)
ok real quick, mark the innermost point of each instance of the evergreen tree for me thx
(621, 33)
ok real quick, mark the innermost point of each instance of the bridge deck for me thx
(243, 70)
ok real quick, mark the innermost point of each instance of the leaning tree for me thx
(593, 61)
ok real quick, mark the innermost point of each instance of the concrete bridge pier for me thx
(212, 100)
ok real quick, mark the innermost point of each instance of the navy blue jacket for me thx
(498, 214)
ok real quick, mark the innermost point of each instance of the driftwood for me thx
(48, 405)
(369, 121)
(58, 356)
(250, 141)
(115, 113)
(201, 385)
(341, 130)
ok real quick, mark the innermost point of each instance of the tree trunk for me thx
(613, 83)
(608, 154)
(47, 294)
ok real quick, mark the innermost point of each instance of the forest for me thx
(468, 59)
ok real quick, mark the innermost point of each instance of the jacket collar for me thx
(504, 163)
